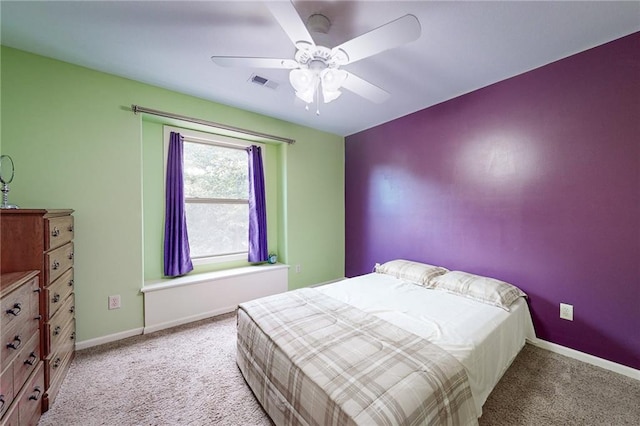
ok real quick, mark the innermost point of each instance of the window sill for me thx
(219, 259)
(163, 284)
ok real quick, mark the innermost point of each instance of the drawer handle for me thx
(32, 359)
(55, 265)
(73, 336)
(70, 228)
(71, 256)
(37, 290)
(13, 345)
(57, 330)
(37, 317)
(1, 402)
(36, 394)
(71, 282)
(55, 298)
(56, 363)
(15, 311)
(72, 309)
(55, 232)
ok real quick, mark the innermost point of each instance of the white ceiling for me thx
(464, 46)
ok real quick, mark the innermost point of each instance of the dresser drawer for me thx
(57, 292)
(66, 345)
(11, 417)
(57, 364)
(57, 373)
(19, 305)
(30, 398)
(59, 322)
(58, 231)
(14, 342)
(27, 405)
(7, 392)
(26, 361)
(57, 262)
(16, 374)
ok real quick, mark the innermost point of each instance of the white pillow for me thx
(482, 289)
(416, 272)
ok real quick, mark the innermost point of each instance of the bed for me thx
(389, 347)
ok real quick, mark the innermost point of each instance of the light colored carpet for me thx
(188, 376)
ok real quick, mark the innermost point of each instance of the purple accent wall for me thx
(534, 180)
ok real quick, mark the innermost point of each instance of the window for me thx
(216, 189)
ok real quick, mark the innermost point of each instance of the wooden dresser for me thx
(42, 240)
(21, 368)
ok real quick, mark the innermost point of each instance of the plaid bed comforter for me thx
(311, 359)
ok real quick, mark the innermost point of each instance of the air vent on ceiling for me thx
(262, 81)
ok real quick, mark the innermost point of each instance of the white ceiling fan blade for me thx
(365, 89)
(388, 36)
(245, 62)
(288, 18)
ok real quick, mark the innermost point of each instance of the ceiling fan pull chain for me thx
(317, 95)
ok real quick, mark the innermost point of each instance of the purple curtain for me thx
(257, 207)
(177, 258)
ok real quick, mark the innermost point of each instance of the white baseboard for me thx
(192, 318)
(108, 339)
(146, 330)
(589, 359)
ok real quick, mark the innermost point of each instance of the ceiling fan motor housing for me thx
(319, 57)
(318, 23)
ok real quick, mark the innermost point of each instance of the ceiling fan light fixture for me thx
(304, 82)
(307, 96)
(302, 79)
(330, 95)
(332, 79)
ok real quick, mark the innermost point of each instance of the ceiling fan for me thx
(315, 70)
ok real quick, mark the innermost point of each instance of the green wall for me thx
(76, 144)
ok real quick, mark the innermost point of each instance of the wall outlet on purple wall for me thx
(566, 311)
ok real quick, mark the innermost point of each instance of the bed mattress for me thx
(485, 339)
(481, 339)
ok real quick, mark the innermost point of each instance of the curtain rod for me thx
(136, 109)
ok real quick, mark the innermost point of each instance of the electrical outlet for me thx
(114, 302)
(566, 311)
(297, 269)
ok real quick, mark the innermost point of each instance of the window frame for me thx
(194, 136)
